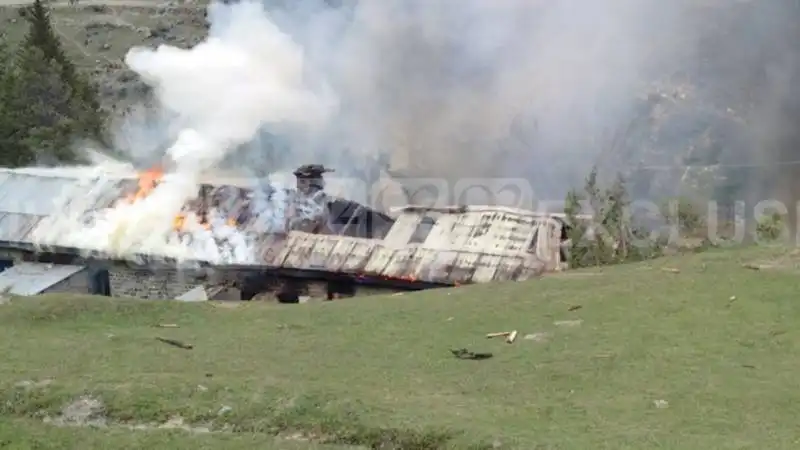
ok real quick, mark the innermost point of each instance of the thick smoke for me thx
(536, 89)
(545, 89)
(219, 94)
(542, 90)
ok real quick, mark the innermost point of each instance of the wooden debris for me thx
(670, 270)
(175, 343)
(752, 266)
(500, 334)
(167, 325)
(511, 337)
(574, 307)
(463, 353)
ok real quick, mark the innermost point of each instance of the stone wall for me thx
(158, 284)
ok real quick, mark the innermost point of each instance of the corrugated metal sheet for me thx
(17, 227)
(25, 194)
(34, 278)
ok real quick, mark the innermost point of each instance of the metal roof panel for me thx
(34, 278)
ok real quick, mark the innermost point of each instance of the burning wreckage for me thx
(241, 239)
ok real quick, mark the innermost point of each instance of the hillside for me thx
(97, 35)
(680, 353)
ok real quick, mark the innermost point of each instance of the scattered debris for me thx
(499, 334)
(30, 384)
(660, 404)
(511, 337)
(574, 307)
(567, 323)
(224, 410)
(463, 353)
(167, 325)
(175, 343)
(748, 366)
(537, 337)
(670, 270)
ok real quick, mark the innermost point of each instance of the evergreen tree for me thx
(13, 151)
(85, 104)
(52, 102)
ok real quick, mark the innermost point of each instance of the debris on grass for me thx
(30, 384)
(511, 337)
(498, 334)
(537, 337)
(567, 323)
(661, 404)
(463, 353)
(670, 270)
(167, 325)
(754, 266)
(574, 307)
(175, 343)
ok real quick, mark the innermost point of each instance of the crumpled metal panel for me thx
(270, 250)
(463, 228)
(402, 230)
(359, 255)
(287, 248)
(299, 251)
(464, 267)
(380, 258)
(321, 249)
(531, 268)
(432, 265)
(399, 264)
(508, 268)
(486, 268)
(441, 234)
(339, 254)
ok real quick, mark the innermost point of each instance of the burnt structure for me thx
(358, 251)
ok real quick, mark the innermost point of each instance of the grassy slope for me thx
(354, 369)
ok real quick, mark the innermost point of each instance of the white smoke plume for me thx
(247, 74)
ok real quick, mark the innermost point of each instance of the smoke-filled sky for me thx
(522, 88)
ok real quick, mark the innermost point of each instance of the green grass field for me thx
(691, 352)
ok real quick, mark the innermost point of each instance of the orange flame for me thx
(148, 180)
(179, 222)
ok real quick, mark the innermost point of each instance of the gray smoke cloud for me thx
(545, 90)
